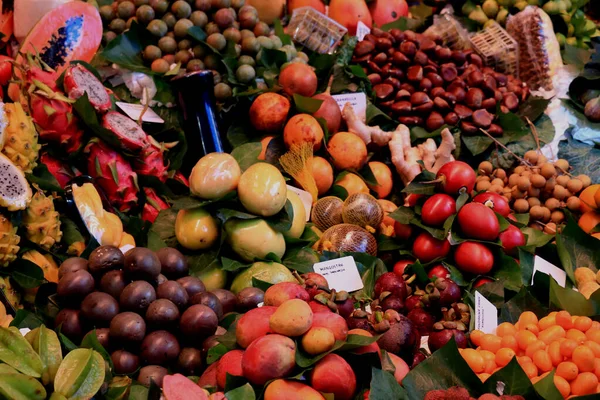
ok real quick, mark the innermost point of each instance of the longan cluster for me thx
(538, 186)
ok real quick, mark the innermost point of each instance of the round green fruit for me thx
(254, 238)
(213, 277)
(271, 272)
(262, 190)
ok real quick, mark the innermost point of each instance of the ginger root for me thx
(367, 133)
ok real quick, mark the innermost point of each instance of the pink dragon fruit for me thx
(62, 172)
(113, 173)
(129, 133)
(78, 81)
(154, 204)
(56, 121)
(152, 163)
(179, 177)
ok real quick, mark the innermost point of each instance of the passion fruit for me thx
(196, 229)
(327, 212)
(271, 272)
(262, 190)
(142, 263)
(213, 277)
(299, 218)
(348, 238)
(137, 296)
(214, 175)
(269, 111)
(104, 259)
(254, 238)
(363, 210)
(173, 264)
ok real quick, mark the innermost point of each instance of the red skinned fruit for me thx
(317, 307)
(403, 231)
(329, 111)
(412, 199)
(314, 283)
(402, 368)
(474, 258)
(230, 363)
(113, 173)
(253, 325)
(426, 248)
(477, 221)
(269, 357)
(283, 291)
(78, 80)
(370, 348)
(437, 209)
(153, 206)
(390, 282)
(334, 322)
(131, 136)
(151, 162)
(442, 335)
(438, 271)
(209, 377)
(512, 238)
(421, 319)
(481, 281)
(386, 11)
(333, 374)
(401, 265)
(6, 67)
(456, 177)
(495, 202)
(62, 172)
(178, 387)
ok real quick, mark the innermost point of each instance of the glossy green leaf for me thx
(547, 389)
(385, 387)
(577, 249)
(307, 105)
(245, 392)
(247, 154)
(514, 378)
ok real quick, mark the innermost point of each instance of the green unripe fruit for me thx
(502, 15)
(245, 73)
(551, 8)
(478, 16)
(490, 8)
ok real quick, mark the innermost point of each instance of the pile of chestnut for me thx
(145, 309)
(418, 81)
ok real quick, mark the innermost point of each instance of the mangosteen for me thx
(198, 321)
(389, 301)
(141, 263)
(74, 286)
(390, 282)
(249, 298)
(422, 320)
(173, 264)
(418, 357)
(127, 328)
(70, 323)
(442, 333)
(71, 265)
(402, 339)
(210, 300)
(227, 299)
(173, 291)
(413, 302)
(113, 283)
(99, 308)
(151, 373)
(442, 292)
(192, 285)
(189, 362)
(104, 259)
(314, 283)
(124, 362)
(359, 319)
(103, 336)
(137, 296)
(162, 313)
(159, 347)
(346, 307)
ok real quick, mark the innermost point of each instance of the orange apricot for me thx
(554, 353)
(474, 359)
(527, 318)
(533, 328)
(510, 342)
(491, 342)
(383, 176)
(506, 329)
(563, 318)
(525, 338)
(476, 336)
(593, 334)
(551, 333)
(547, 321)
(530, 369)
(576, 335)
(533, 347)
(567, 347)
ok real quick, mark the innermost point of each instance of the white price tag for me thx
(486, 315)
(543, 266)
(134, 111)
(305, 197)
(362, 30)
(358, 101)
(341, 274)
(425, 343)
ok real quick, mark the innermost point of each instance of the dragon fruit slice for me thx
(152, 163)
(62, 172)
(15, 193)
(153, 205)
(79, 80)
(113, 173)
(130, 134)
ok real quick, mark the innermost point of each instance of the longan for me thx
(483, 178)
(534, 192)
(537, 180)
(535, 226)
(546, 214)
(549, 186)
(486, 167)
(559, 192)
(573, 203)
(483, 185)
(500, 173)
(532, 156)
(550, 228)
(575, 185)
(563, 180)
(557, 216)
(526, 173)
(521, 206)
(542, 159)
(517, 194)
(586, 180)
(548, 171)
(496, 189)
(552, 204)
(498, 181)
(533, 201)
(523, 183)
(512, 179)
(519, 169)
(562, 164)
(537, 212)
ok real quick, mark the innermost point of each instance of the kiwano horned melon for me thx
(70, 32)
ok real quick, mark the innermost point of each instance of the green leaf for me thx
(577, 249)
(138, 392)
(90, 341)
(66, 343)
(197, 33)
(215, 353)
(574, 302)
(547, 389)
(231, 265)
(300, 259)
(282, 221)
(385, 387)
(238, 132)
(533, 107)
(285, 38)
(44, 179)
(508, 271)
(241, 393)
(71, 233)
(164, 227)
(583, 158)
(307, 105)
(522, 301)
(262, 285)
(273, 59)
(247, 154)
(536, 238)
(203, 261)
(126, 49)
(514, 378)
(26, 273)
(26, 319)
(402, 214)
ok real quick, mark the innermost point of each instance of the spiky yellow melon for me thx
(9, 241)
(42, 221)
(20, 137)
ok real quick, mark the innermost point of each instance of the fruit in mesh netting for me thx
(129, 133)
(42, 221)
(15, 192)
(348, 237)
(363, 210)
(327, 212)
(79, 81)
(9, 242)
(19, 136)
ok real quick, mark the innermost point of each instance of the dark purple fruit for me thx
(160, 279)
(142, 263)
(189, 362)
(391, 302)
(422, 320)
(104, 259)
(442, 292)
(412, 302)
(137, 296)
(70, 323)
(359, 319)
(227, 299)
(124, 362)
(74, 286)
(171, 290)
(418, 357)
(208, 344)
(127, 328)
(103, 336)
(198, 321)
(401, 339)
(173, 264)
(71, 265)
(346, 307)
(249, 298)
(210, 300)
(162, 313)
(390, 282)
(99, 308)
(150, 373)
(159, 347)
(113, 283)
(192, 285)
(442, 333)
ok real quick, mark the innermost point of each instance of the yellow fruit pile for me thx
(587, 281)
(569, 345)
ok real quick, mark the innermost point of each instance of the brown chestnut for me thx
(402, 107)
(374, 79)
(482, 118)
(451, 118)
(448, 72)
(510, 101)
(363, 47)
(474, 98)
(463, 111)
(380, 58)
(414, 73)
(425, 84)
(409, 49)
(495, 130)
(383, 43)
(434, 121)
(411, 120)
(435, 79)
(441, 104)
(400, 59)
(468, 128)
(383, 90)
(421, 58)
(418, 98)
